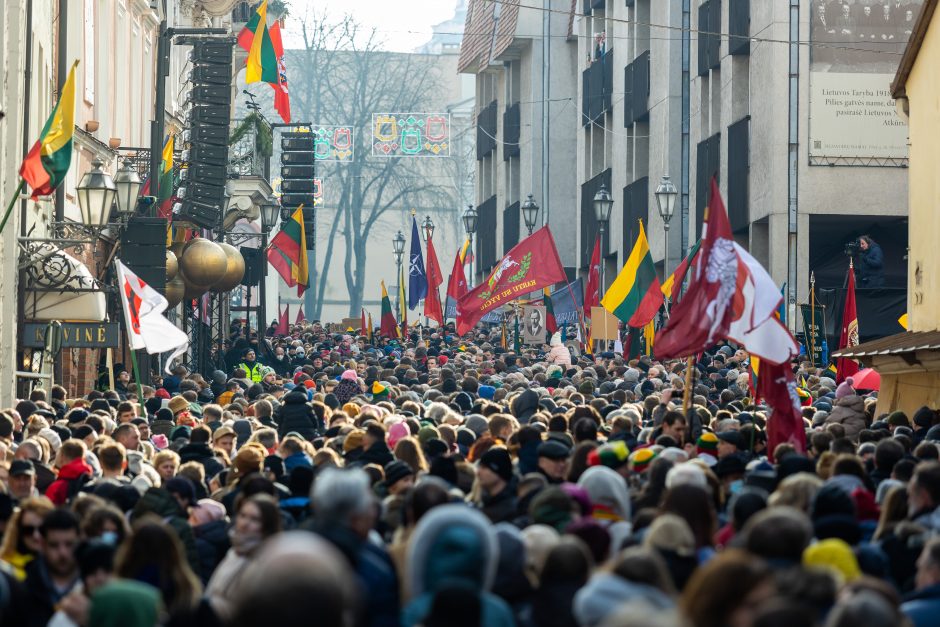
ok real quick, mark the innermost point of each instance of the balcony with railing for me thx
(251, 144)
(597, 87)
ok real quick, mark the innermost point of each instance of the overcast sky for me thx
(402, 24)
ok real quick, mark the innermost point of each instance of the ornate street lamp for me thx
(96, 193)
(270, 212)
(603, 204)
(427, 227)
(530, 213)
(470, 216)
(398, 246)
(666, 194)
(128, 185)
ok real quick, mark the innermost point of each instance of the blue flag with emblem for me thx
(417, 277)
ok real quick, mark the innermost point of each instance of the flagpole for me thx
(16, 196)
(140, 389)
(812, 316)
(687, 395)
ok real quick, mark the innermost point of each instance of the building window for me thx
(707, 165)
(589, 228)
(486, 131)
(709, 36)
(739, 27)
(635, 208)
(739, 166)
(636, 83)
(486, 235)
(510, 226)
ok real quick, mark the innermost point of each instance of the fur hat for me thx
(178, 404)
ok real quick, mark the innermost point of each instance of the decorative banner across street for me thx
(410, 134)
(333, 143)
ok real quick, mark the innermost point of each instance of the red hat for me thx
(310, 383)
(442, 359)
(162, 393)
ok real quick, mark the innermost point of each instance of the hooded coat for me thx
(559, 354)
(849, 411)
(296, 415)
(611, 501)
(71, 477)
(454, 544)
(606, 592)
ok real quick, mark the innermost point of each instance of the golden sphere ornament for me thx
(172, 265)
(175, 288)
(234, 271)
(203, 263)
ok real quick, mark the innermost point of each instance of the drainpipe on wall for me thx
(793, 161)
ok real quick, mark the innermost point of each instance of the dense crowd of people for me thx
(321, 478)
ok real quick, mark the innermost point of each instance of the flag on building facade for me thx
(288, 252)
(849, 335)
(592, 293)
(530, 265)
(674, 282)
(417, 277)
(432, 302)
(777, 386)
(261, 65)
(48, 161)
(703, 315)
(146, 326)
(456, 287)
(551, 324)
(388, 325)
(281, 93)
(635, 296)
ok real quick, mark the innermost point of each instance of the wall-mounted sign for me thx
(75, 334)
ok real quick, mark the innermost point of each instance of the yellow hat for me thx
(835, 555)
(378, 388)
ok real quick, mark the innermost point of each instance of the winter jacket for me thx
(849, 411)
(41, 595)
(211, 544)
(198, 452)
(500, 507)
(378, 453)
(345, 390)
(296, 415)
(923, 606)
(454, 543)
(72, 477)
(224, 582)
(282, 367)
(559, 355)
(161, 503)
(253, 369)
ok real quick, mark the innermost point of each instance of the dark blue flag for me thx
(417, 277)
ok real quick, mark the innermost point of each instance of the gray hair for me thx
(339, 494)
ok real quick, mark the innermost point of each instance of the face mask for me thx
(110, 538)
(736, 486)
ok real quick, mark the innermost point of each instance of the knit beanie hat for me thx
(396, 432)
(641, 459)
(379, 391)
(707, 443)
(845, 388)
(834, 555)
(613, 455)
(349, 375)
(898, 419)
(498, 460)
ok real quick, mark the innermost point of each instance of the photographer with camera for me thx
(869, 261)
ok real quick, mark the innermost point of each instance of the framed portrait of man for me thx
(533, 325)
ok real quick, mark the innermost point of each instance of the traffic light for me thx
(297, 173)
(205, 156)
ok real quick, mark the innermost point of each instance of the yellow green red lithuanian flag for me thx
(48, 161)
(635, 296)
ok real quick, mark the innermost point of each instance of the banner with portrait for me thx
(854, 53)
(533, 325)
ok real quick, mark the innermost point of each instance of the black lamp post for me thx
(470, 216)
(530, 213)
(666, 194)
(427, 227)
(128, 186)
(398, 245)
(603, 203)
(96, 193)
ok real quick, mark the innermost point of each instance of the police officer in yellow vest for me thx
(252, 366)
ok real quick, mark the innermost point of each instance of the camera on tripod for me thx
(853, 248)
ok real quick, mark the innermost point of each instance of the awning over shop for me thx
(899, 344)
(60, 287)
